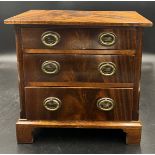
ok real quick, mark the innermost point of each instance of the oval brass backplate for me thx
(50, 67)
(52, 103)
(50, 38)
(105, 104)
(107, 38)
(107, 68)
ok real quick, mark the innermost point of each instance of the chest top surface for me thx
(70, 17)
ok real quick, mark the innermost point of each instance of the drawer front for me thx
(78, 68)
(67, 104)
(78, 38)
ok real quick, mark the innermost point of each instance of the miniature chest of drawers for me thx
(79, 69)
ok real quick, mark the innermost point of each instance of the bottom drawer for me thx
(66, 104)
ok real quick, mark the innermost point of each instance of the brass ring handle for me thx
(107, 68)
(107, 38)
(105, 104)
(50, 67)
(50, 38)
(52, 103)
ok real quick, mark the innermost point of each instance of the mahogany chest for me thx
(79, 69)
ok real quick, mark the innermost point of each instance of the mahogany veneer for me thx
(72, 17)
(79, 104)
(84, 68)
(79, 69)
(79, 38)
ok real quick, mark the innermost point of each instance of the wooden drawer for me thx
(78, 104)
(79, 38)
(79, 68)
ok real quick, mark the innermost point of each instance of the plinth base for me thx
(26, 128)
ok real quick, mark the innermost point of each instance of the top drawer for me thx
(78, 38)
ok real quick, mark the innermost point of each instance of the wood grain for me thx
(138, 61)
(80, 84)
(79, 38)
(132, 128)
(72, 17)
(133, 136)
(20, 71)
(78, 68)
(78, 104)
(90, 52)
(24, 133)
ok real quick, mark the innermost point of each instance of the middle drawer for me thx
(78, 68)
